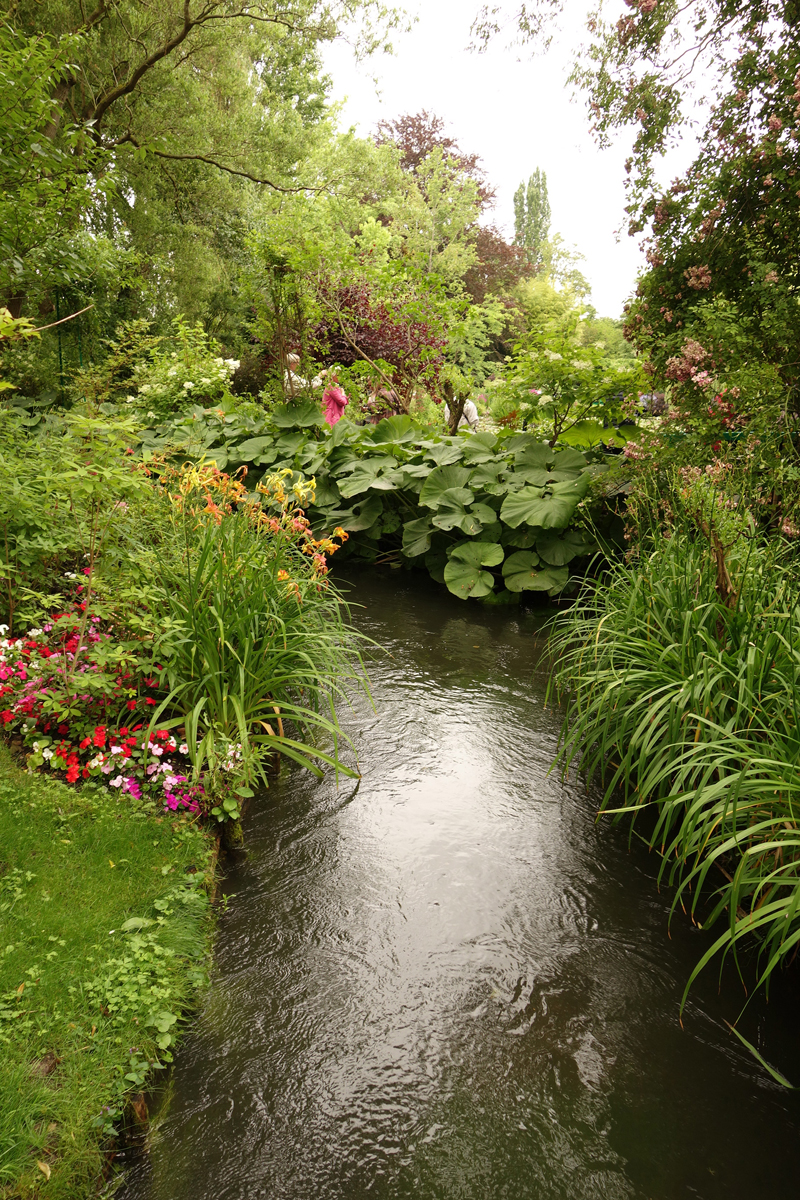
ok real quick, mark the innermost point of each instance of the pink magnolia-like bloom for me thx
(335, 402)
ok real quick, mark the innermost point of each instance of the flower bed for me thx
(84, 711)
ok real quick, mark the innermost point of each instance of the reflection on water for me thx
(449, 982)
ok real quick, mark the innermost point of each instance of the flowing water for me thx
(451, 983)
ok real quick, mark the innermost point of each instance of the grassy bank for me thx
(104, 933)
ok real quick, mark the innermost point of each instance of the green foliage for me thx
(682, 672)
(65, 482)
(557, 384)
(404, 493)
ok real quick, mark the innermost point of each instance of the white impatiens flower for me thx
(118, 782)
(48, 754)
(184, 749)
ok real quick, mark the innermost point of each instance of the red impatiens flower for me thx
(131, 704)
(73, 773)
(148, 700)
(7, 716)
(99, 738)
(86, 742)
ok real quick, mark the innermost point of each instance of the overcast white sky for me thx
(516, 113)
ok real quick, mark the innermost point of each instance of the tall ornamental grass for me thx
(682, 672)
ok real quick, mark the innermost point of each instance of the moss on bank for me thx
(105, 929)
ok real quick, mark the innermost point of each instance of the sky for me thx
(513, 110)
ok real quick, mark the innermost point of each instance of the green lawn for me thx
(104, 936)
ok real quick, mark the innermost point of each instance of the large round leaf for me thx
(451, 512)
(480, 554)
(464, 574)
(417, 537)
(290, 443)
(360, 517)
(444, 452)
(251, 449)
(537, 476)
(380, 474)
(568, 460)
(486, 478)
(521, 575)
(557, 550)
(436, 561)
(522, 538)
(441, 480)
(394, 429)
(528, 506)
(533, 454)
(297, 416)
(479, 448)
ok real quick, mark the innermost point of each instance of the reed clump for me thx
(682, 673)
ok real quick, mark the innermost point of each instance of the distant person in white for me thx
(295, 383)
(468, 417)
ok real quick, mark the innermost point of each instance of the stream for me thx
(450, 982)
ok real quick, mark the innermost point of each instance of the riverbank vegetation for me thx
(228, 335)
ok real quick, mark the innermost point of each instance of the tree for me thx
(719, 303)
(418, 135)
(532, 215)
(146, 102)
(44, 184)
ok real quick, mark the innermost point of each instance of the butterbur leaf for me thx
(521, 575)
(360, 517)
(486, 478)
(533, 454)
(485, 514)
(521, 539)
(568, 460)
(476, 451)
(537, 476)
(445, 452)
(464, 579)
(436, 561)
(251, 449)
(417, 537)
(464, 574)
(290, 443)
(483, 554)
(557, 550)
(441, 480)
(528, 506)
(297, 416)
(344, 431)
(399, 428)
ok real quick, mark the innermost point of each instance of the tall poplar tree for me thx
(532, 215)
